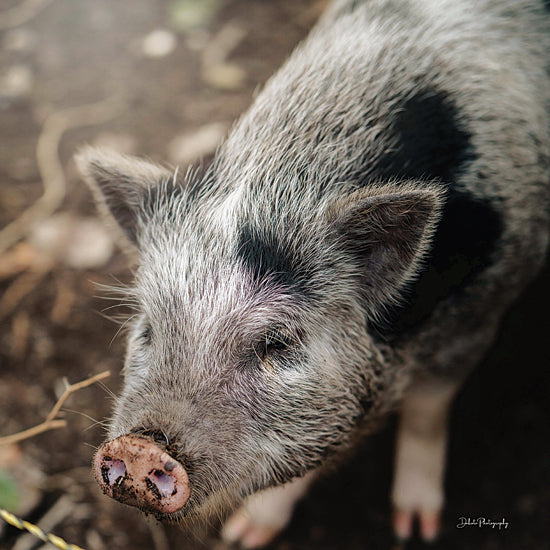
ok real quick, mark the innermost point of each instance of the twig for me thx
(50, 423)
(21, 257)
(49, 165)
(21, 287)
(221, 46)
(64, 300)
(36, 531)
(63, 508)
(31, 432)
(75, 387)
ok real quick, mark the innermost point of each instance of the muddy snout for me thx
(137, 472)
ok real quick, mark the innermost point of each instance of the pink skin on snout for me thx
(135, 471)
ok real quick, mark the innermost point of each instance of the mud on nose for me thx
(135, 471)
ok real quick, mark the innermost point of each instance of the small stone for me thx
(17, 82)
(224, 76)
(159, 43)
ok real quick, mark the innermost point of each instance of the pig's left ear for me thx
(120, 185)
(387, 230)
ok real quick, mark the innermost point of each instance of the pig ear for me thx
(388, 230)
(120, 184)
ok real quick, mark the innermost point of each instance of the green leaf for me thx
(9, 493)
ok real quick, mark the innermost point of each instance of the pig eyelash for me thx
(274, 341)
(146, 334)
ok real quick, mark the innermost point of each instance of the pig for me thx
(349, 252)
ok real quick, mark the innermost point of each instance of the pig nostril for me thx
(112, 470)
(165, 483)
(138, 472)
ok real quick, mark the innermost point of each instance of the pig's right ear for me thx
(388, 230)
(120, 185)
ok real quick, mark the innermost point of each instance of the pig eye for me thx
(145, 336)
(274, 341)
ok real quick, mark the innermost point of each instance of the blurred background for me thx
(166, 79)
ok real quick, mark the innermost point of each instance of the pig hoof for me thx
(428, 522)
(241, 529)
(402, 524)
(265, 514)
(429, 525)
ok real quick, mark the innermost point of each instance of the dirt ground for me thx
(166, 79)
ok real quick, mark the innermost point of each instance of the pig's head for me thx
(249, 361)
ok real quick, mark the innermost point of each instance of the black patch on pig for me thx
(366, 403)
(266, 256)
(464, 245)
(428, 141)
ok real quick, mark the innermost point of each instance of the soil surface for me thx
(171, 96)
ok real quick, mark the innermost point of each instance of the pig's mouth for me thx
(136, 471)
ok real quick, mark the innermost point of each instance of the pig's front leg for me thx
(420, 458)
(265, 514)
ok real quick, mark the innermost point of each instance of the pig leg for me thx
(265, 514)
(420, 458)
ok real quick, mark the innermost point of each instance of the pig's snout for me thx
(137, 472)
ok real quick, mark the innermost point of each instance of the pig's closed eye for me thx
(274, 342)
(145, 335)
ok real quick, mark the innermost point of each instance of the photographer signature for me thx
(481, 522)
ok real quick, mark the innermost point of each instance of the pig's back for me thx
(456, 92)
